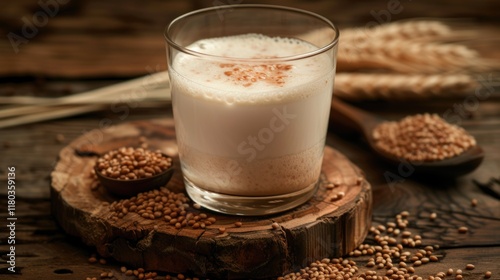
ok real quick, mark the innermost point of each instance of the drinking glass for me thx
(251, 92)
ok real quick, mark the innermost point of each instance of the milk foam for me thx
(207, 79)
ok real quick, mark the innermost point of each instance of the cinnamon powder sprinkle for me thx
(249, 74)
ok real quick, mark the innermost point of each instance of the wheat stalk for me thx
(407, 57)
(405, 30)
(149, 91)
(353, 86)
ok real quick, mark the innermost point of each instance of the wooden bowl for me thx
(132, 187)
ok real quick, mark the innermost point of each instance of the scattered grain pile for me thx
(162, 205)
(422, 138)
(396, 254)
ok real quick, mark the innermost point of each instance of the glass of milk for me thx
(251, 93)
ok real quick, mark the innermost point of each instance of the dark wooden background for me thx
(89, 44)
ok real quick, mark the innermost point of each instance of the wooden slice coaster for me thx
(328, 225)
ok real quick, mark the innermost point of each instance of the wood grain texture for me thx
(321, 228)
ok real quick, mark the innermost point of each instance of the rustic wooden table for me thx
(80, 45)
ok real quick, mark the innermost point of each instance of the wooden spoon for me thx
(363, 122)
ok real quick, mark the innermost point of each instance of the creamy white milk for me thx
(251, 129)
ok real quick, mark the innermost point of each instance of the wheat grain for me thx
(360, 86)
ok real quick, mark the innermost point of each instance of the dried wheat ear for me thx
(362, 86)
(404, 30)
(404, 57)
(407, 60)
(407, 47)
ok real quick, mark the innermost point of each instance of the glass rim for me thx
(320, 50)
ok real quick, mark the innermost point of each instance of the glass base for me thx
(248, 205)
